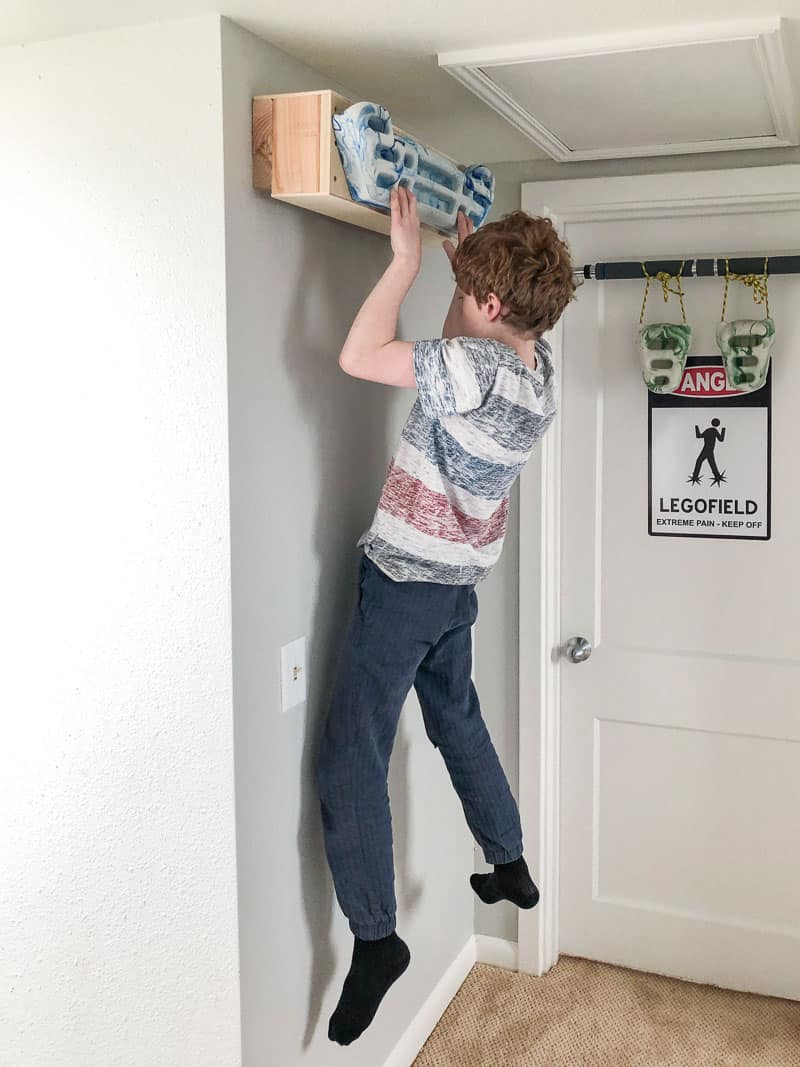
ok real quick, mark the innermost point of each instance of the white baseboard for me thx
(415, 1036)
(478, 949)
(496, 951)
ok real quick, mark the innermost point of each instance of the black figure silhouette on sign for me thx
(709, 438)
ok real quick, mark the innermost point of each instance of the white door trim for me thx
(728, 192)
(539, 696)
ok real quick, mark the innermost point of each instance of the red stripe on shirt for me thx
(408, 498)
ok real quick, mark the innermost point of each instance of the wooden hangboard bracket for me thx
(295, 158)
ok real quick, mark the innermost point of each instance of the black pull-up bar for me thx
(692, 268)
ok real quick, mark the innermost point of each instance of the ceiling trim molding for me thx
(766, 35)
(777, 80)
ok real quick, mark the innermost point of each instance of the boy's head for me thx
(513, 276)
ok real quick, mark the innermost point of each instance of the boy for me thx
(485, 397)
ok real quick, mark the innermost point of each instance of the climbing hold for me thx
(375, 159)
(745, 345)
(663, 347)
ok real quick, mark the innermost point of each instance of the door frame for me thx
(566, 202)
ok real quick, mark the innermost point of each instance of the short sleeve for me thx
(454, 374)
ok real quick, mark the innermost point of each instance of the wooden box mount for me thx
(295, 158)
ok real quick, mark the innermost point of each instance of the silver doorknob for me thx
(578, 649)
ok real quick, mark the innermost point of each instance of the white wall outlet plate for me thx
(293, 674)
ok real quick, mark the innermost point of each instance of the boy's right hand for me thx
(465, 228)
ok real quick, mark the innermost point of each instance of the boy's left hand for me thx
(465, 227)
(406, 240)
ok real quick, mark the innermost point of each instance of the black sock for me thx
(510, 881)
(376, 965)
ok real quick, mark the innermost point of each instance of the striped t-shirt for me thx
(480, 411)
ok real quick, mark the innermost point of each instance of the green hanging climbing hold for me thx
(745, 345)
(663, 348)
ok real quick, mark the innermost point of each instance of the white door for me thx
(680, 735)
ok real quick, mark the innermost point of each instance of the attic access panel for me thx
(626, 96)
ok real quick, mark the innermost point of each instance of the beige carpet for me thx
(585, 1014)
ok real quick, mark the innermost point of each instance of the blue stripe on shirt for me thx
(478, 476)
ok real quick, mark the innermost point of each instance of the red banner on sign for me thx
(705, 381)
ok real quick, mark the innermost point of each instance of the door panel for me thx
(680, 754)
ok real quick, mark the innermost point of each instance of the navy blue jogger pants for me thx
(403, 634)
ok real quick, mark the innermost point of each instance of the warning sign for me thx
(709, 454)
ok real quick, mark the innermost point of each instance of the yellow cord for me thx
(757, 282)
(664, 278)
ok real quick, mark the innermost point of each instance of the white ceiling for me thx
(389, 53)
(693, 90)
(572, 97)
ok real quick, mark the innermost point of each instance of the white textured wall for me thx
(117, 865)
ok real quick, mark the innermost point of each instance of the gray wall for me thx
(309, 449)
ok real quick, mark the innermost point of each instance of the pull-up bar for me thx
(692, 268)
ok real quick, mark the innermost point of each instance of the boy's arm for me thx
(370, 350)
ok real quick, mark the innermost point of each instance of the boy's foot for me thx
(510, 881)
(376, 966)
